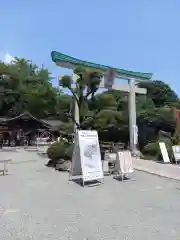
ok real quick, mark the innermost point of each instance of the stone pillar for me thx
(132, 116)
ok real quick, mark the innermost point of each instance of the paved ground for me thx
(38, 203)
(164, 170)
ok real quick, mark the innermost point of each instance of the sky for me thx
(135, 35)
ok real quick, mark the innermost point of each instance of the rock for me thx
(137, 154)
(164, 134)
(63, 165)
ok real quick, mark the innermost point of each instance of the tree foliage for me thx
(85, 87)
(160, 93)
(24, 86)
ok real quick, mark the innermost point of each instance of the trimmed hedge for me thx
(153, 149)
(60, 151)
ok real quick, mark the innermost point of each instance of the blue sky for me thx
(137, 35)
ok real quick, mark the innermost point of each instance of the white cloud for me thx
(7, 58)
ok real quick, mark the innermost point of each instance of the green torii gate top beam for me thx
(69, 62)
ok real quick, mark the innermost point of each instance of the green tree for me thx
(85, 88)
(151, 121)
(160, 93)
(26, 87)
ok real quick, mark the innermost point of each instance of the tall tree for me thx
(85, 88)
(159, 92)
(26, 87)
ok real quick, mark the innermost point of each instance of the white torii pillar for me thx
(132, 90)
(133, 129)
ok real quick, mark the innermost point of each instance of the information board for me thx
(176, 152)
(164, 152)
(86, 160)
(124, 163)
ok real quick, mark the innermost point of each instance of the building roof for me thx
(65, 60)
(25, 115)
(53, 123)
(48, 123)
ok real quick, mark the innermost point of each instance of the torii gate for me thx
(110, 74)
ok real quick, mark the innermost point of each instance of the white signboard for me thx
(176, 152)
(124, 164)
(86, 160)
(164, 152)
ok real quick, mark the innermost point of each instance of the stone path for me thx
(160, 169)
(39, 203)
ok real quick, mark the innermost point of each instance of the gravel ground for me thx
(39, 203)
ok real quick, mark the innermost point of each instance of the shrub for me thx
(151, 149)
(176, 138)
(60, 151)
(57, 151)
(69, 151)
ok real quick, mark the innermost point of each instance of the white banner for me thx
(90, 155)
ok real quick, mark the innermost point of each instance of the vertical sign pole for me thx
(132, 114)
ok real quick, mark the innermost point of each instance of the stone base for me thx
(63, 166)
(137, 154)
